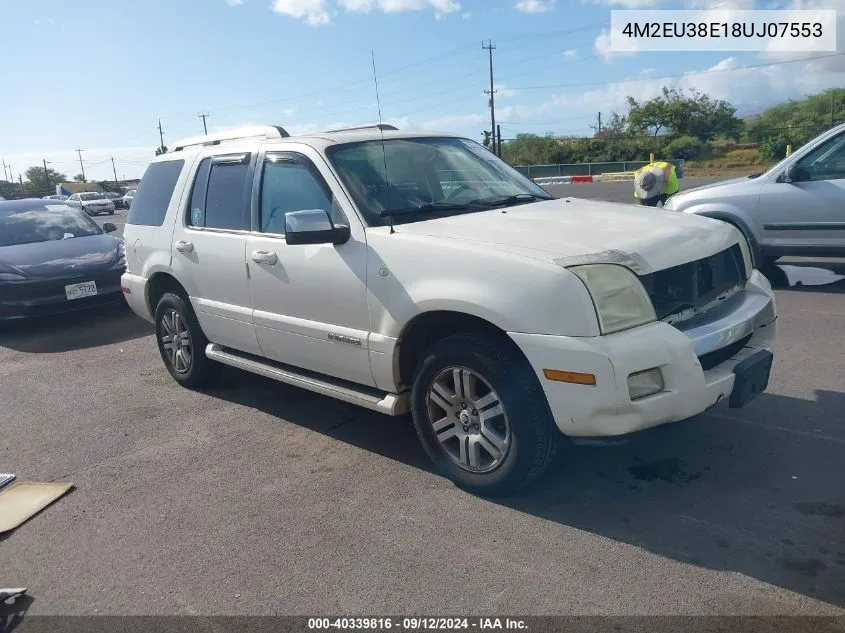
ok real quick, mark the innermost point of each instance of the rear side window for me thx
(219, 197)
(153, 195)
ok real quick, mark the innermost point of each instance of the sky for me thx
(98, 75)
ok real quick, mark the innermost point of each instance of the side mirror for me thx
(109, 227)
(313, 226)
(793, 173)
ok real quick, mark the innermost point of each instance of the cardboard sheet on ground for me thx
(24, 499)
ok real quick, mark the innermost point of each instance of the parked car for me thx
(795, 208)
(55, 197)
(55, 260)
(116, 198)
(92, 202)
(127, 199)
(504, 320)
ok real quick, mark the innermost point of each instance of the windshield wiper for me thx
(429, 207)
(501, 201)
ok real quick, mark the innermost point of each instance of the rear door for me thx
(209, 249)
(808, 217)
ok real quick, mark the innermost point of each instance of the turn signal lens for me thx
(573, 377)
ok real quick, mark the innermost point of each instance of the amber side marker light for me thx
(570, 376)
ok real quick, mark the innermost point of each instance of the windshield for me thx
(89, 196)
(426, 177)
(28, 226)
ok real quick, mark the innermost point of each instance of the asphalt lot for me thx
(258, 498)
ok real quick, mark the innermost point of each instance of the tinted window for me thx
(154, 193)
(291, 184)
(226, 200)
(196, 214)
(825, 162)
(26, 226)
(90, 196)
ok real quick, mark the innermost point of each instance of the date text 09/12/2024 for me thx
(416, 624)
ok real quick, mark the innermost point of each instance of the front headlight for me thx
(619, 297)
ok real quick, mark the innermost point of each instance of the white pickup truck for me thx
(417, 272)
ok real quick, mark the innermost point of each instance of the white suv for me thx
(418, 272)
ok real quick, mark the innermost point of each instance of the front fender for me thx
(732, 215)
(514, 293)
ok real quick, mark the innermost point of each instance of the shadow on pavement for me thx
(12, 613)
(758, 491)
(823, 276)
(75, 330)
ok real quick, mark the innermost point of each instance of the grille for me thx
(711, 360)
(693, 285)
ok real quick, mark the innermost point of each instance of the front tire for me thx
(181, 341)
(481, 414)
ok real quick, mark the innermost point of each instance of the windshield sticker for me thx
(58, 207)
(633, 261)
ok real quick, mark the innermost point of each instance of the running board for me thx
(389, 403)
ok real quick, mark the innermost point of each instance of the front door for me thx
(209, 250)
(807, 216)
(309, 301)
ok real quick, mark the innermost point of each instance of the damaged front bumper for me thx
(722, 354)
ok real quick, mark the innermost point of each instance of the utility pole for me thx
(81, 166)
(204, 128)
(116, 183)
(499, 139)
(161, 134)
(20, 179)
(599, 122)
(490, 48)
(5, 175)
(46, 172)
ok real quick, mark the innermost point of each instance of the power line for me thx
(687, 74)
(204, 128)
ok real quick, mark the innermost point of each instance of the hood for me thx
(57, 257)
(572, 231)
(725, 187)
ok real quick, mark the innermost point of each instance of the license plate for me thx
(751, 378)
(78, 291)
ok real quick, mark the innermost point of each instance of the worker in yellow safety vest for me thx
(655, 182)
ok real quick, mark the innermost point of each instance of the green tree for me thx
(161, 150)
(487, 136)
(79, 178)
(678, 113)
(9, 189)
(36, 178)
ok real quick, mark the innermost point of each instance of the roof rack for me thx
(266, 132)
(381, 126)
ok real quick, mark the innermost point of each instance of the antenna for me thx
(383, 150)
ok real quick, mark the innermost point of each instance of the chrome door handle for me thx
(184, 247)
(264, 257)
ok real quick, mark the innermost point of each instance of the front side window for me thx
(38, 224)
(290, 182)
(219, 197)
(154, 193)
(825, 162)
(427, 177)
